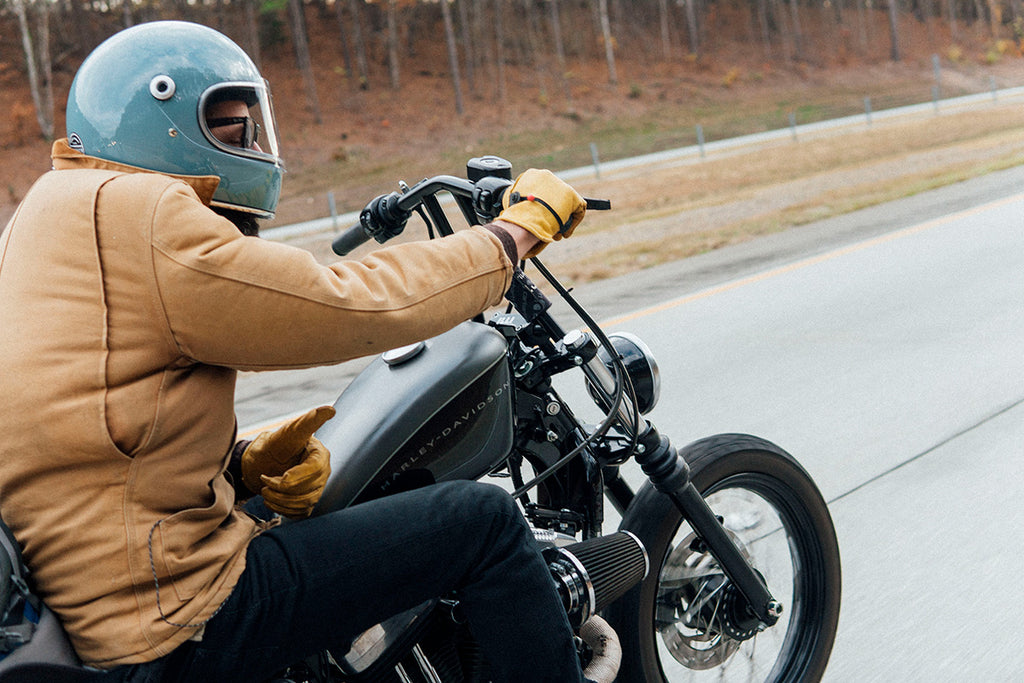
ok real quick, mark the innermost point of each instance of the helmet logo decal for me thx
(75, 142)
(162, 87)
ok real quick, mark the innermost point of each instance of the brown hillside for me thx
(371, 138)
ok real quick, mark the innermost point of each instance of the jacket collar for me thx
(66, 158)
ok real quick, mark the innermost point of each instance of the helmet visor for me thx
(238, 118)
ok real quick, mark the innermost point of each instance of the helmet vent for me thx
(162, 87)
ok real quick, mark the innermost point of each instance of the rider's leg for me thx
(317, 583)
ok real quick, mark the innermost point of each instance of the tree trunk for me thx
(252, 32)
(862, 26)
(393, 43)
(346, 49)
(468, 43)
(979, 11)
(360, 45)
(691, 27)
(762, 18)
(528, 33)
(606, 33)
(666, 44)
(499, 52)
(300, 39)
(894, 34)
(556, 32)
(798, 39)
(84, 35)
(39, 84)
(995, 17)
(453, 55)
(45, 66)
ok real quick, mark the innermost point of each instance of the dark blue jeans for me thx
(318, 583)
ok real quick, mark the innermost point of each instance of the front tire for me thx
(675, 626)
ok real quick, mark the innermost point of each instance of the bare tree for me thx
(126, 13)
(252, 31)
(894, 32)
(393, 43)
(300, 40)
(691, 26)
(762, 18)
(798, 38)
(499, 51)
(360, 44)
(556, 31)
(346, 50)
(37, 60)
(453, 55)
(666, 45)
(995, 17)
(468, 43)
(606, 33)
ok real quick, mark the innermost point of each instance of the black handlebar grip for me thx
(350, 239)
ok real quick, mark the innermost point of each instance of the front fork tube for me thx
(670, 474)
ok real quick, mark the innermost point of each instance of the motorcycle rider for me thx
(128, 305)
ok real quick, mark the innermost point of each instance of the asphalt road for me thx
(885, 350)
(893, 368)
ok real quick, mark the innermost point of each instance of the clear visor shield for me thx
(238, 118)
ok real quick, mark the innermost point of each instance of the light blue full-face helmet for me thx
(141, 99)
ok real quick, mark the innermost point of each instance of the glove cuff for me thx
(248, 468)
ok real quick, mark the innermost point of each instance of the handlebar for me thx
(386, 215)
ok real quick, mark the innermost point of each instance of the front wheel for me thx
(681, 623)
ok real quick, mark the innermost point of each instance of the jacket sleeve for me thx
(252, 304)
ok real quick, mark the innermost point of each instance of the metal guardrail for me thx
(699, 151)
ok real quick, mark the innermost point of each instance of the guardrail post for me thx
(593, 156)
(700, 139)
(334, 209)
(867, 109)
(792, 124)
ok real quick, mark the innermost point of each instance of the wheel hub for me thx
(702, 617)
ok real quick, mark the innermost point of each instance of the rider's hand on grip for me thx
(289, 467)
(544, 206)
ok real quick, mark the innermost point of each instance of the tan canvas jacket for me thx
(126, 308)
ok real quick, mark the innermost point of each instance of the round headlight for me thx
(640, 366)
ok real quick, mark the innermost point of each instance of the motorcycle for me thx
(725, 564)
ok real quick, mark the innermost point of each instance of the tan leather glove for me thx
(289, 467)
(544, 206)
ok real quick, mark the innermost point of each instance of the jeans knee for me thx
(489, 501)
(491, 497)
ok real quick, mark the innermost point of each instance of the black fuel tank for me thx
(443, 413)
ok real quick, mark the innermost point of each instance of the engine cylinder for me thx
(592, 574)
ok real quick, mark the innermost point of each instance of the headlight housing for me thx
(641, 368)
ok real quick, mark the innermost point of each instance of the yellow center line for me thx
(813, 260)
